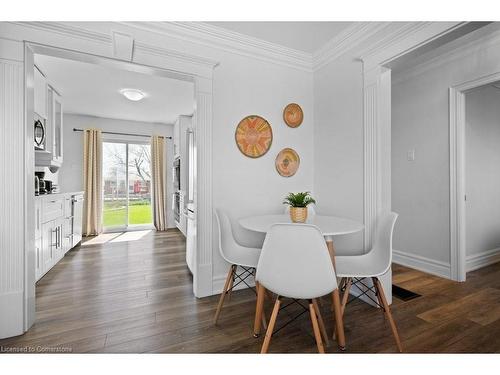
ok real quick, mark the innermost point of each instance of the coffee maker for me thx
(41, 183)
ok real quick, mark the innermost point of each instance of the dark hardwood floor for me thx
(136, 296)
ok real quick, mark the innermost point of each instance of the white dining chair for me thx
(355, 269)
(295, 263)
(240, 258)
(310, 210)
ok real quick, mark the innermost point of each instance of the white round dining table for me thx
(329, 226)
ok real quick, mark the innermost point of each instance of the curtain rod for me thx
(115, 133)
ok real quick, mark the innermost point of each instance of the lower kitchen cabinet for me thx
(49, 243)
(55, 218)
(38, 258)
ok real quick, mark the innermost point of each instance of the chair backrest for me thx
(227, 243)
(382, 247)
(295, 262)
(310, 209)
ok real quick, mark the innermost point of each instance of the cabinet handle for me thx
(52, 244)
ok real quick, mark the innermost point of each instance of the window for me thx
(127, 185)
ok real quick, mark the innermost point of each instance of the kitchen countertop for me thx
(57, 195)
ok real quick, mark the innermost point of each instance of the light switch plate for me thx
(411, 155)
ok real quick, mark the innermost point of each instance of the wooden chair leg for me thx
(223, 294)
(340, 285)
(339, 324)
(317, 333)
(320, 321)
(380, 292)
(259, 309)
(345, 297)
(270, 327)
(231, 283)
(380, 302)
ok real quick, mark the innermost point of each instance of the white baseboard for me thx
(423, 264)
(483, 259)
(219, 281)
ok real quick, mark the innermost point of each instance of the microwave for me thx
(39, 134)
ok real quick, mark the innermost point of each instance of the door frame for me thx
(171, 65)
(458, 246)
(377, 106)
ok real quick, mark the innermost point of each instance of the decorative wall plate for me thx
(293, 115)
(287, 162)
(254, 136)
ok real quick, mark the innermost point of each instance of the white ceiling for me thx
(302, 36)
(94, 90)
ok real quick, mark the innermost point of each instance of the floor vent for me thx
(403, 294)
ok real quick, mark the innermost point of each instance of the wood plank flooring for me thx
(136, 296)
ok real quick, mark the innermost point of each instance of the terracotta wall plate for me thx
(293, 115)
(287, 162)
(254, 136)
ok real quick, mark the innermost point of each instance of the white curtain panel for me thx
(92, 180)
(158, 180)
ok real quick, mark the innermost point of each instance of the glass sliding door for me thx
(139, 184)
(127, 185)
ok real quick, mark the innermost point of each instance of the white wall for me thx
(482, 111)
(338, 141)
(244, 186)
(420, 189)
(71, 173)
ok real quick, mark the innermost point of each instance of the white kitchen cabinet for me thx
(59, 248)
(52, 155)
(57, 126)
(52, 244)
(57, 229)
(38, 219)
(49, 243)
(38, 259)
(67, 235)
(40, 90)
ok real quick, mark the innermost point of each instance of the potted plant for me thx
(298, 203)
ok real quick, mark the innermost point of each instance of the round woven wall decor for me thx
(293, 115)
(287, 162)
(254, 136)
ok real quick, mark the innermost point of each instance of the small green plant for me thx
(299, 199)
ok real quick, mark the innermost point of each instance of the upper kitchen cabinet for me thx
(51, 155)
(57, 113)
(40, 89)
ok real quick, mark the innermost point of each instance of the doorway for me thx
(461, 261)
(126, 168)
(201, 77)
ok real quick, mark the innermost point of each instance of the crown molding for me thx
(460, 51)
(229, 41)
(348, 39)
(392, 45)
(391, 38)
(105, 39)
(211, 36)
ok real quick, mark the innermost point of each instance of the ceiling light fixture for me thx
(133, 94)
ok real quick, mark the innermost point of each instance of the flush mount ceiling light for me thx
(133, 94)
